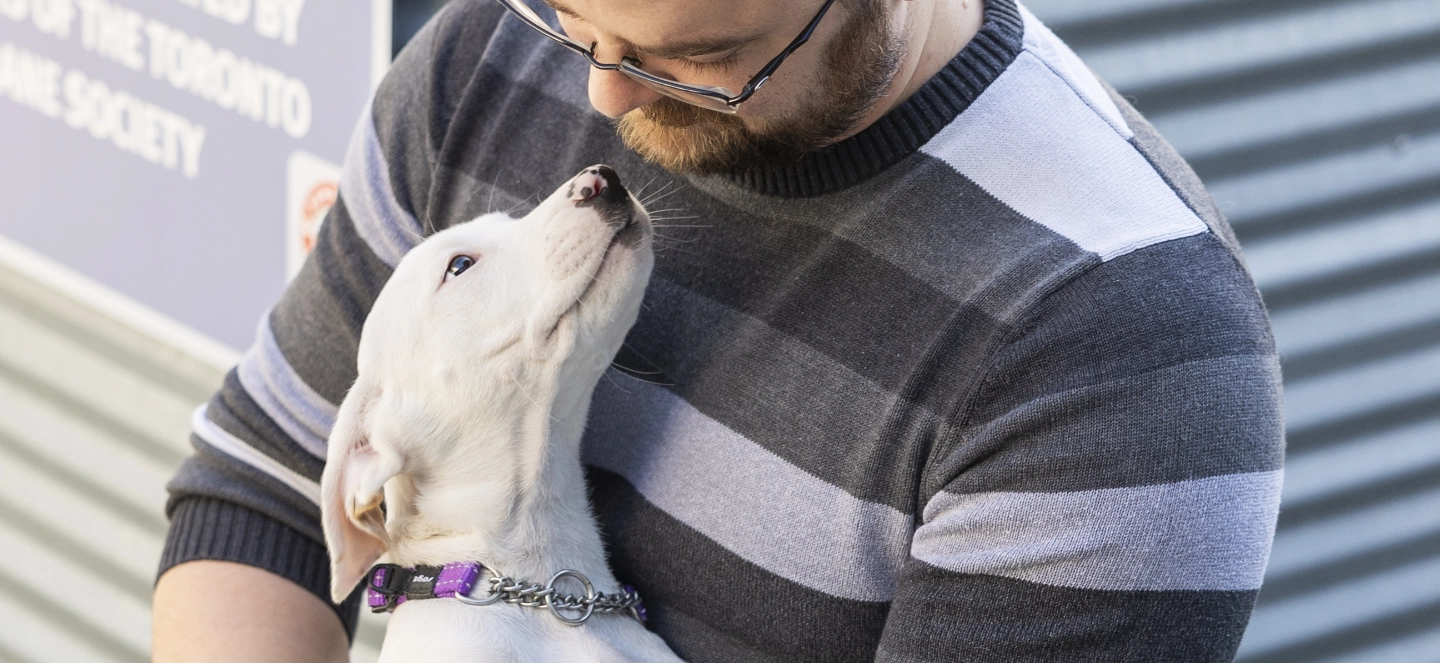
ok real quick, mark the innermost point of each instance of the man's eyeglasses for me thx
(714, 98)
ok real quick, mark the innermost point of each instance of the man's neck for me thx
(934, 32)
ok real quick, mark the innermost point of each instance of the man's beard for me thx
(687, 139)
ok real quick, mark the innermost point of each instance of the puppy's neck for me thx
(511, 495)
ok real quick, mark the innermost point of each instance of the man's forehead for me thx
(675, 28)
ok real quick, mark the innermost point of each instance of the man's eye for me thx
(717, 64)
(459, 264)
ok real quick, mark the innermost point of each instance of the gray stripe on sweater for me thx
(305, 416)
(705, 475)
(1043, 44)
(1205, 534)
(1220, 418)
(318, 321)
(240, 450)
(969, 252)
(386, 227)
(1063, 171)
(850, 439)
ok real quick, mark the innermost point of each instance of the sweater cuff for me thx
(202, 528)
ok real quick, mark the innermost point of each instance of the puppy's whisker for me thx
(657, 191)
(659, 195)
(676, 239)
(514, 207)
(626, 344)
(637, 378)
(416, 236)
(616, 383)
(639, 194)
(490, 204)
(531, 398)
(616, 364)
(663, 249)
(684, 240)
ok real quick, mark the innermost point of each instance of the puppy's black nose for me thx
(613, 188)
(598, 184)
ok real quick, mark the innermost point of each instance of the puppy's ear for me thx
(351, 490)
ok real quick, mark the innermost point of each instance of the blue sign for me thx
(181, 151)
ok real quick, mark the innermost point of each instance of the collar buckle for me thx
(387, 583)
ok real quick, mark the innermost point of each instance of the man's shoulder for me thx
(464, 25)
(460, 39)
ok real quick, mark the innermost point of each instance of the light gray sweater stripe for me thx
(1043, 44)
(1065, 171)
(305, 416)
(365, 186)
(793, 524)
(1206, 534)
(238, 449)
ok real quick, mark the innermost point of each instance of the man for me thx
(947, 355)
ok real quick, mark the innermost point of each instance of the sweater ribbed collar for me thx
(906, 127)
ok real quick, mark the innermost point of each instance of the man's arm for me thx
(222, 611)
(1109, 492)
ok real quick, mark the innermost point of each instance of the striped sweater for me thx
(987, 381)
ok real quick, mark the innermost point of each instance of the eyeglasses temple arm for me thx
(770, 67)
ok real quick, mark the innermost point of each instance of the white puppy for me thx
(476, 368)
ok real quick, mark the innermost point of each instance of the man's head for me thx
(821, 93)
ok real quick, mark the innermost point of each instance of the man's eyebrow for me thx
(561, 9)
(678, 49)
(694, 47)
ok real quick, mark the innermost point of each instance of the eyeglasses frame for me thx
(631, 66)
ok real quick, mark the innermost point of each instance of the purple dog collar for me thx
(389, 585)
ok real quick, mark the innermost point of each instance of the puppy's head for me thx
(479, 324)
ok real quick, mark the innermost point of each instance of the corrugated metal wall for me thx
(94, 418)
(1316, 124)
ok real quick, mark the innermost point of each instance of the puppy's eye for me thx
(459, 264)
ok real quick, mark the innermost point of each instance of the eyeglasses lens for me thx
(649, 80)
(703, 101)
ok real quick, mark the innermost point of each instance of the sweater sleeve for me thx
(250, 492)
(1110, 491)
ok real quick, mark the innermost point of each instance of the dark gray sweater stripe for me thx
(237, 413)
(1174, 302)
(317, 322)
(642, 537)
(943, 616)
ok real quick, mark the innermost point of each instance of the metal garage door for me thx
(1316, 124)
(95, 403)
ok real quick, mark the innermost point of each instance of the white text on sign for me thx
(129, 123)
(274, 19)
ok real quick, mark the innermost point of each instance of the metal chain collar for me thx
(534, 595)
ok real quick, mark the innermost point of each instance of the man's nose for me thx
(614, 94)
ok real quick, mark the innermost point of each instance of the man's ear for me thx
(351, 490)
